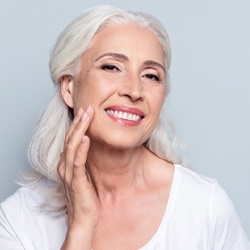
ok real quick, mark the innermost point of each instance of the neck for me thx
(114, 171)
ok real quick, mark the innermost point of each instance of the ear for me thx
(67, 89)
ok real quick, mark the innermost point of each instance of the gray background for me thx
(209, 100)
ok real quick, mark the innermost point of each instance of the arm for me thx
(82, 202)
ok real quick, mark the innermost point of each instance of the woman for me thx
(118, 184)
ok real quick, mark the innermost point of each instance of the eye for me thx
(109, 67)
(152, 77)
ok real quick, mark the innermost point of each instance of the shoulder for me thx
(25, 204)
(27, 196)
(24, 221)
(204, 191)
(206, 204)
(192, 182)
(197, 196)
(200, 187)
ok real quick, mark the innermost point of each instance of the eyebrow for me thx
(125, 58)
(115, 55)
(154, 63)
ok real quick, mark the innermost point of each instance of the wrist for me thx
(79, 237)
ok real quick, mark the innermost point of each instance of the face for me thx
(123, 78)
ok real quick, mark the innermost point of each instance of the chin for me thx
(117, 142)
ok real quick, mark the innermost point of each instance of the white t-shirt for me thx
(199, 215)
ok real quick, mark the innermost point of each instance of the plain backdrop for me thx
(210, 77)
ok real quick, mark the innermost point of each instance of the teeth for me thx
(124, 115)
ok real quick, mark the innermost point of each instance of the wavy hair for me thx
(48, 138)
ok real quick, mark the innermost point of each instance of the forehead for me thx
(127, 39)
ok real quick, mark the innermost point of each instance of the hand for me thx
(82, 201)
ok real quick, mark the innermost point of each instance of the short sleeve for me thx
(8, 239)
(226, 229)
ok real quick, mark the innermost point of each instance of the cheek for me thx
(92, 91)
(158, 99)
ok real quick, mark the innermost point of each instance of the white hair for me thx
(48, 139)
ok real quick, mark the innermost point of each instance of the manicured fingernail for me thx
(84, 117)
(88, 109)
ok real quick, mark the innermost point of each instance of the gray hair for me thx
(48, 139)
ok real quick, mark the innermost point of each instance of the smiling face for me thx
(123, 78)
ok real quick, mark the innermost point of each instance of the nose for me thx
(132, 88)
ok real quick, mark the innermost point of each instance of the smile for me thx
(123, 115)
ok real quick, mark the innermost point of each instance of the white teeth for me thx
(130, 117)
(123, 115)
(136, 117)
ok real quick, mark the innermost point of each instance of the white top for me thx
(199, 215)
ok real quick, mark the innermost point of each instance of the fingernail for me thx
(79, 112)
(83, 139)
(84, 117)
(88, 109)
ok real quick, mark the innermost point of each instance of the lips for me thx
(125, 113)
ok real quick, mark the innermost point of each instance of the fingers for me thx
(82, 202)
(61, 164)
(73, 139)
(80, 159)
(80, 182)
(74, 122)
(79, 125)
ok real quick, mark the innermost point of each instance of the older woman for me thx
(106, 172)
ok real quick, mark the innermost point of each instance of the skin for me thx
(127, 187)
